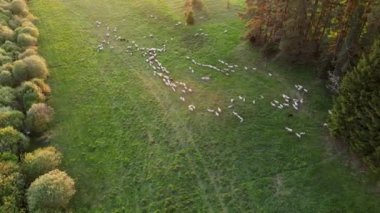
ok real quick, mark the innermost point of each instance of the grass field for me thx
(133, 146)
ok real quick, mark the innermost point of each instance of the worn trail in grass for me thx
(133, 146)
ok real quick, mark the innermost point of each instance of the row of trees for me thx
(333, 32)
(356, 112)
(27, 179)
(342, 36)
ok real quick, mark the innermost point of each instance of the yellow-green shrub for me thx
(11, 117)
(41, 161)
(30, 93)
(11, 183)
(6, 78)
(6, 33)
(7, 96)
(30, 67)
(12, 140)
(51, 192)
(28, 52)
(26, 40)
(18, 6)
(39, 118)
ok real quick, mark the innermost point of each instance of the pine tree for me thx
(356, 112)
(293, 45)
(349, 51)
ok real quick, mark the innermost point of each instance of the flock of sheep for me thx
(151, 56)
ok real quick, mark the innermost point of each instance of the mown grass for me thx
(132, 146)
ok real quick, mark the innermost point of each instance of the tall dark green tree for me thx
(333, 33)
(356, 112)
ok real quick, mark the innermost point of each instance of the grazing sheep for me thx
(206, 78)
(238, 116)
(191, 107)
(288, 129)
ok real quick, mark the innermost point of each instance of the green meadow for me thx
(132, 145)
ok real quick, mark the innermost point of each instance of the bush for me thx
(26, 40)
(39, 118)
(11, 184)
(10, 47)
(4, 59)
(45, 88)
(12, 140)
(28, 52)
(15, 21)
(37, 66)
(10, 117)
(30, 67)
(356, 112)
(20, 72)
(8, 67)
(30, 93)
(6, 33)
(40, 162)
(4, 16)
(29, 28)
(18, 6)
(51, 192)
(7, 96)
(6, 78)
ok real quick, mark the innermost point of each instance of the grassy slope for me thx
(132, 145)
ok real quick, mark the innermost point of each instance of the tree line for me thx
(334, 33)
(342, 37)
(30, 180)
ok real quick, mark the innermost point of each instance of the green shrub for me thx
(29, 17)
(4, 59)
(6, 78)
(30, 67)
(7, 96)
(18, 6)
(22, 20)
(39, 118)
(40, 162)
(28, 52)
(12, 140)
(11, 183)
(30, 93)
(11, 117)
(37, 66)
(29, 28)
(20, 71)
(15, 22)
(45, 88)
(2, 51)
(10, 47)
(51, 192)
(26, 40)
(4, 16)
(8, 66)
(356, 112)
(6, 33)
